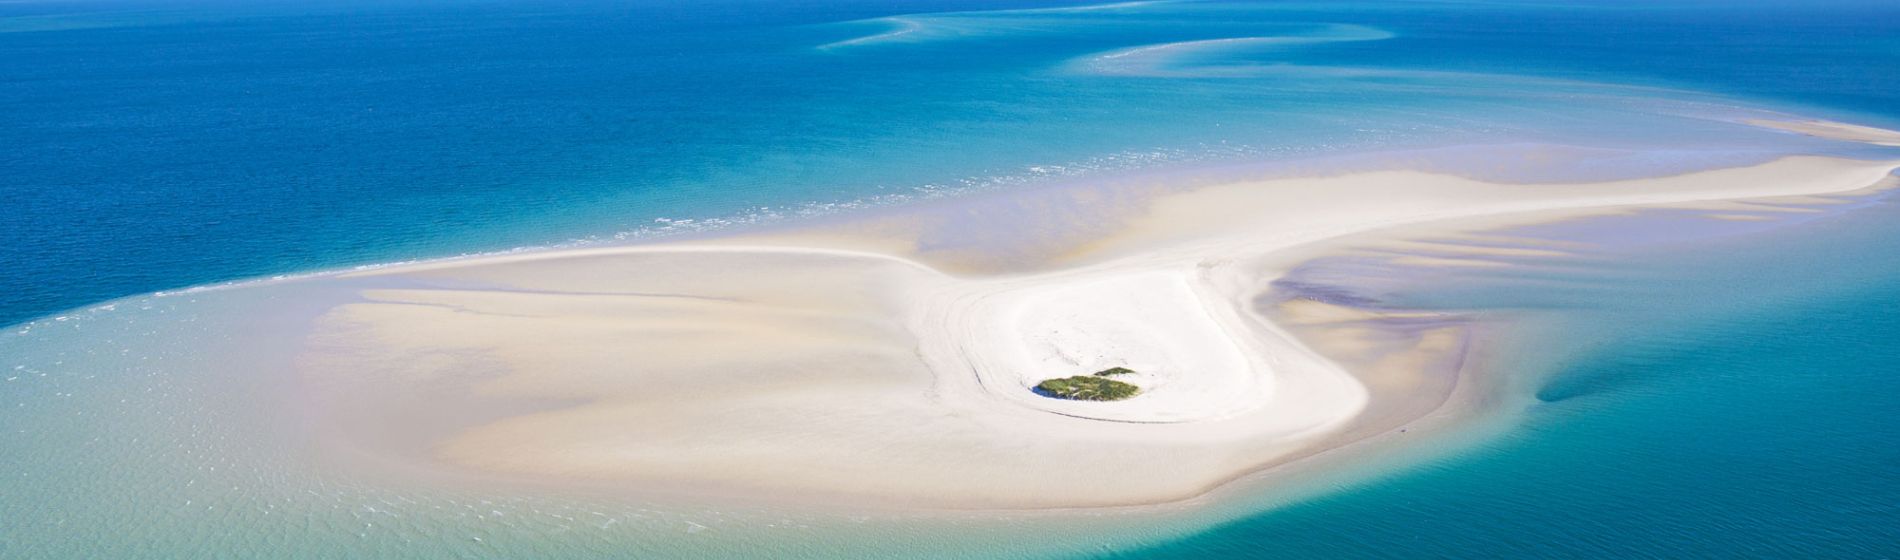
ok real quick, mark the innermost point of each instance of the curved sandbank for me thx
(850, 366)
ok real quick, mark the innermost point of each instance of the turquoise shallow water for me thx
(1722, 395)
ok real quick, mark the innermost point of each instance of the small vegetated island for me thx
(1094, 387)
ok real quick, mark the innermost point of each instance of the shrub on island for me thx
(1097, 387)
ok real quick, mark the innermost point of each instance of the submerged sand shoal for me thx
(854, 365)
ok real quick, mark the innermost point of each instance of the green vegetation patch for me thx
(1096, 387)
(1114, 371)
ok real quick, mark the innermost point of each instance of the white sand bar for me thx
(830, 373)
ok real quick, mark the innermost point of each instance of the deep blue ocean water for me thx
(159, 145)
(1719, 399)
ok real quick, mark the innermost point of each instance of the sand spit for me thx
(830, 372)
(1834, 131)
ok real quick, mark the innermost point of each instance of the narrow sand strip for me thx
(806, 372)
(1834, 130)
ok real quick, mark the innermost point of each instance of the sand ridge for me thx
(1833, 130)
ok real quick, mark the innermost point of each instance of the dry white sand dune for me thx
(798, 371)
